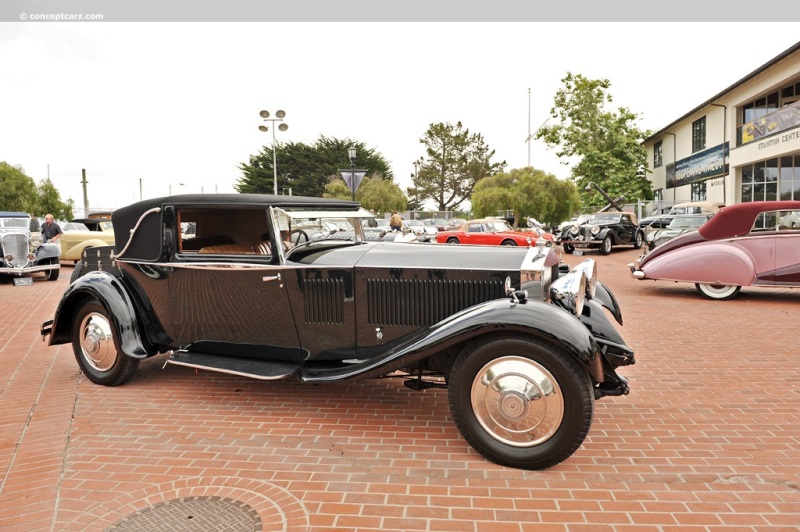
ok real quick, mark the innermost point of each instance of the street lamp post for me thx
(351, 153)
(170, 187)
(283, 127)
(352, 177)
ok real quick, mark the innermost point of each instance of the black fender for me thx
(109, 292)
(605, 297)
(536, 318)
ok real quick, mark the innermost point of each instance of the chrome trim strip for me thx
(31, 269)
(287, 266)
(229, 372)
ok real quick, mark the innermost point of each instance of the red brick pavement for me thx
(708, 439)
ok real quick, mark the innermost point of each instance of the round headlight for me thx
(595, 229)
(574, 230)
(529, 240)
(37, 240)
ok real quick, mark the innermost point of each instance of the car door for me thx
(227, 300)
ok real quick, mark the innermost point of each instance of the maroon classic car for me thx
(747, 244)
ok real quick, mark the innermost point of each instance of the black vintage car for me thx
(523, 348)
(603, 231)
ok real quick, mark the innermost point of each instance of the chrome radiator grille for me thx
(421, 303)
(16, 244)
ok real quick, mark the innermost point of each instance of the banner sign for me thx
(776, 121)
(699, 167)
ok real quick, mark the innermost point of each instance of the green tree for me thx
(608, 145)
(454, 162)
(529, 193)
(50, 202)
(375, 194)
(307, 169)
(18, 191)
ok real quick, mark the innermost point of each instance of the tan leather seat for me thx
(263, 247)
(236, 249)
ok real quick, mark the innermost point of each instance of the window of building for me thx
(699, 191)
(658, 195)
(772, 179)
(699, 134)
(658, 154)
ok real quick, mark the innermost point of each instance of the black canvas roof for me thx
(147, 242)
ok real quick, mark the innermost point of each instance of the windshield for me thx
(315, 226)
(75, 226)
(14, 222)
(687, 222)
(498, 226)
(605, 217)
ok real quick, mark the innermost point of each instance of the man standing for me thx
(51, 230)
(396, 222)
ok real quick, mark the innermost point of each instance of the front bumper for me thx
(29, 269)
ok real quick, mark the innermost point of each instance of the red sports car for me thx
(492, 232)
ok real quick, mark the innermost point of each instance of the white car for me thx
(426, 233)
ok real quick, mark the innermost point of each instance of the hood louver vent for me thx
(323, 301)
(421, 303)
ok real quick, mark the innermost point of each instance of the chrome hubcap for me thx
(97, 342)
(517, 401)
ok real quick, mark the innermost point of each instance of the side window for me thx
(223, 231)
(475, 228)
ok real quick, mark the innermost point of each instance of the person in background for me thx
(396, 222)
(34, 225)
(51, 230)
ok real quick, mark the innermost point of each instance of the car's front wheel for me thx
(720, 292)
(96, 348)
(508, 243)
(607, 245)
(569, 249)
(520, 402)
(52, 275)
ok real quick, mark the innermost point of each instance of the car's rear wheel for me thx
(607, 245)
(520, 402)
(453, 240)
(638, 240)
(52, 275)
(508, 243)
(720, 292)
(96, 347)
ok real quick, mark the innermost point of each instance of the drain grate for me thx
(192, 514)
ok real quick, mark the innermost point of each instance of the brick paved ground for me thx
(708, 439)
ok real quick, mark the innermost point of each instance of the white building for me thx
(741, 145)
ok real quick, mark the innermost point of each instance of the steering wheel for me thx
(300, 233)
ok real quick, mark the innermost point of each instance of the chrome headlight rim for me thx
(569, 292)
(589, 269)
(595, 229)
(37, 240)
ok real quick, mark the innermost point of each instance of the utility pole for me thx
(85, 193)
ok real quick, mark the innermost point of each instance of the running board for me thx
(245, 367)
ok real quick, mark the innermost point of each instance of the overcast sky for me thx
(177, 103)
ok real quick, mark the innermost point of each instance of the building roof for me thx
(748, 77)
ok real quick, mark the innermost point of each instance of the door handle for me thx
(268, 278)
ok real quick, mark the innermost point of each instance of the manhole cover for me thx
(193, 514)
